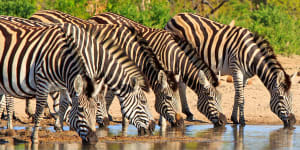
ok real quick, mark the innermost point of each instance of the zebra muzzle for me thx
(289, 121)
(104, 122)
(221, 121)
(179, 121)
(91, 138)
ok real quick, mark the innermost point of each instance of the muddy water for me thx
(257, 137)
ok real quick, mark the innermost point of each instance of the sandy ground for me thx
(257, 99)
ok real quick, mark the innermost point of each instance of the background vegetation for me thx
(277, 20)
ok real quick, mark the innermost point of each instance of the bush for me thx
(273, 22)
(20, 8)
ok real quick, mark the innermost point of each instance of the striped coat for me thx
(236, 51)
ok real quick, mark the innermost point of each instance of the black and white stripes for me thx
(238, 52)
(193, 71)
(136, 49)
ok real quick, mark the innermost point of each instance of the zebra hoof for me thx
(234, 120)
(190, 118)
(289, 121)
(110, 117)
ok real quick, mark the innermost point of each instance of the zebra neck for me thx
(266, 68)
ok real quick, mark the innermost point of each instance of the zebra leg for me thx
(41, 101)
(47, 112)
(238, 98)
(109, 97)
(125, 124)
(184, 104)
(29, 109)
(2, 105)
(101, 114)
(162, 123)
(64, 109)
(10, 110)
(56, 100)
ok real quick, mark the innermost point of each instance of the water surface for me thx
(250, 137)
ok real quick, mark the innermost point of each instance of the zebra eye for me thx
(80, 109)
(168, 97)
(144, 102)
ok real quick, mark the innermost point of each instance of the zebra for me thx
(163, 83)
(52, 58)
(64, 107)
(191, 69)
(236, 51)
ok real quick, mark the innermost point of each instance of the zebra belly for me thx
(18, 82)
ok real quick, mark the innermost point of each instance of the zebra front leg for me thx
(41, 101)
(125, 124)
(65, 103)
(109, 97)
(29, 109)
(102, 115)
(56, 100)
(239, 85)
(2, 105)
(184, 104)
(162, 123)
(10, 110)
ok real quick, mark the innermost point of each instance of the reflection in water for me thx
(229, 137)
(238, 134)
(281, 139)
(215, 136)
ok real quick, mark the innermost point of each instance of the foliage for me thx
(271, 21)
(72, 7)
(20, 8)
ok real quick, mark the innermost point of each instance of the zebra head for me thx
(135, 108)
(83, 112)
(166, 99)
(281, 99)
(209, 101)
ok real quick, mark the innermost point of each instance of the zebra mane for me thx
(71, 41)
(191, 52)
(153, 60)
(267, 50)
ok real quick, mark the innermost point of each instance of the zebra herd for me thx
(87, 62)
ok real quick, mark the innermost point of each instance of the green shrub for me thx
(273, 22)
(73, 7)
(20, 8)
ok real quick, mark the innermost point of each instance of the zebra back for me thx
(173, 58)
(239, 52)
(142, 57)
(137, 50)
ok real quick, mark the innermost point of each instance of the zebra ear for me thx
(78, 84)
(134, 83)
(203, 80)
(98, 88)
(293, 77)
(162, 79)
